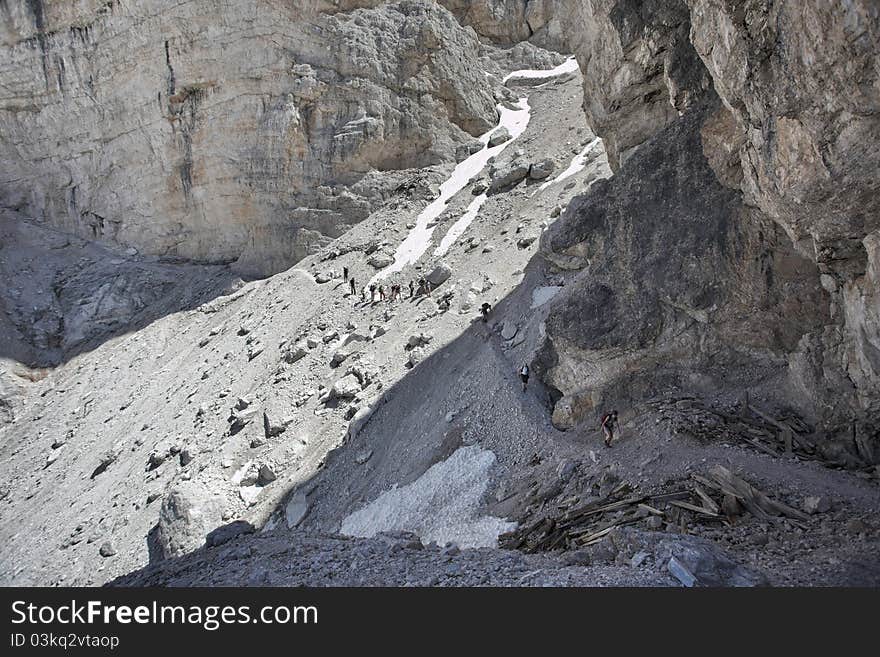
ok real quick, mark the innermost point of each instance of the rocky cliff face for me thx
(248, 133)
(794, 136)
(783, 265)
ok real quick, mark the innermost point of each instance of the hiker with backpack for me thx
(608, 424)
(484, 310)
(524, 376)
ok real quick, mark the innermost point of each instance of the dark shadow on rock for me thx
(226, 533)
(63, 295)
(154, 549)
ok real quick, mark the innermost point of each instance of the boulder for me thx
(271, 427)
(358, 421)
(266, 475)
(238, 420)
(295, 509)
(189, 512)
(339, 356)
(346, 387)
(323, 277)
(228, 532)
(509, 330)
(186, 456)
(499, 136)
(507, 176)
(816, 504)
(418, 340)
(439, 275)
(541, 170)
(695, 561)
(380, 260)
(294, 352)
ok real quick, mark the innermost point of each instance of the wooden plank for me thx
(762, 447)
(708, 483)
(666, 497)
(693, 507)
(651, 510)
(708, 502)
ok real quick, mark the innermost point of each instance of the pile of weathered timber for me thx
(718, 497)
(786, 435)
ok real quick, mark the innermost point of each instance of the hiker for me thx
(446, 300)
(609, 420)
(412, 290)
(484, 309)
(372, 292)
(428, 287)
(421, 290)
(345, 273)
(353, 286)
(381, 293)
(524, 376)
(364, 294)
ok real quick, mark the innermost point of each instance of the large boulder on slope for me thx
(189, 512)
(439, 275)
(498, 137)
(543, 169)
(507, 176)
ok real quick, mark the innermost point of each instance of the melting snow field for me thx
(577, 164)
(441, 505)
(568, 66)
(516, 121)
(417, 241)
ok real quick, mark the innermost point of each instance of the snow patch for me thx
(460, 225)
(416, 243)
(568, 66)
(442, 505)
(577, 164)
(516, 120)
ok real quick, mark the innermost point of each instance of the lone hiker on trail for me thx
(524, 376)
(484, 309)
(345, 273)
(412, 290)
(609, 421)
(353, 286)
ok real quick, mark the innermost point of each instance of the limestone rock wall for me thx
(794, 136)
(222, 132)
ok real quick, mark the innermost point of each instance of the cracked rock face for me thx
(794, 137)
(219, 133)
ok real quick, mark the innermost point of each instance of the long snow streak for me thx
(411, 249)
(577, 164)
(516, 120)
(568, 66)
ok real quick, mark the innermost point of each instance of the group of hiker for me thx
(394, 292)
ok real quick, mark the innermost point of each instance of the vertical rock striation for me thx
(221, 133)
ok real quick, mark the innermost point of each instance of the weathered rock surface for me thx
(228, 133)
(189, 512)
